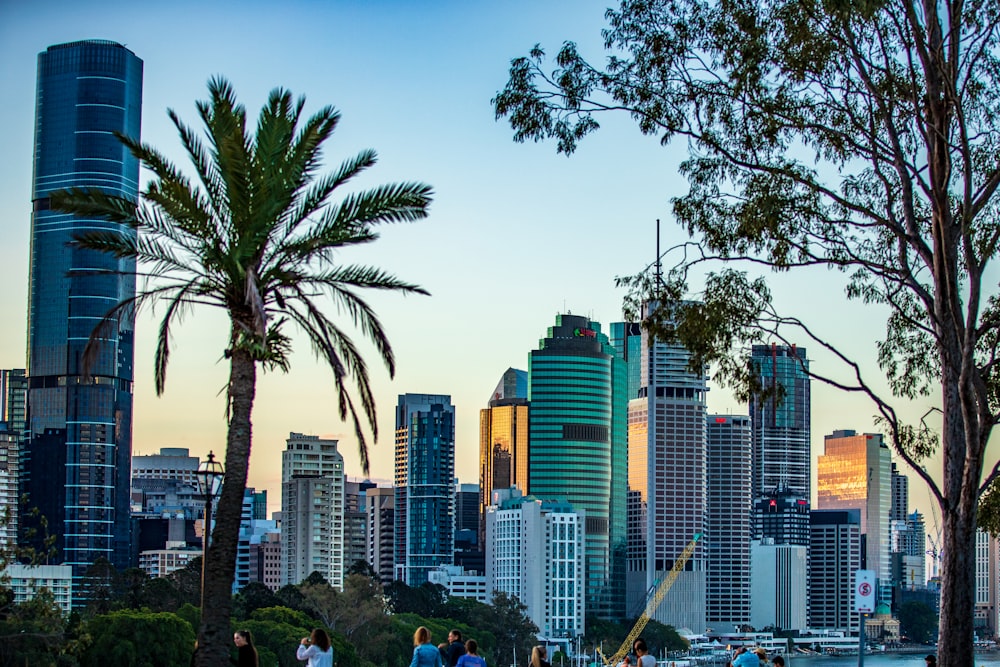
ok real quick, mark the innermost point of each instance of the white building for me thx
(161, 562)
(312, 509)
(8, 487)
(777, 585)
(461, 584)
(27, 580)
(535, 551)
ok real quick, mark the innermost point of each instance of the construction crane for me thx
(654, 601)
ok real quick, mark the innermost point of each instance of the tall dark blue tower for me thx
(79, 428)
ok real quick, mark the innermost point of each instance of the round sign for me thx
(865, 588)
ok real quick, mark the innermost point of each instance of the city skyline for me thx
(509, 220)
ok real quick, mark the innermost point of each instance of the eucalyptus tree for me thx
(855, 135)
(257, 234)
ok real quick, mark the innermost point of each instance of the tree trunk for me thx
(214, 637)
(958, 565)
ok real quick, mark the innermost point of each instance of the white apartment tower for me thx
(312, 509)
(535, 550)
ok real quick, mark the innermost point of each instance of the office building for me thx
(778, 583)
(855, 472)
(461, 583)
(13, 398)
(727, 529)
(79, 420)
(667, 478)
(503, 440)
(780, 413)
(380, 510)
(312, 509)
(536, 550)
(782, 517)
(834, 556)
(987, 579)
(900, 495)
(424, 481)
(578, 446)
(265, 559)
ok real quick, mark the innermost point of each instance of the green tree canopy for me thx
(130, 638)
(860, 137)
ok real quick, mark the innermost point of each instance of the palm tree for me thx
(256, 235)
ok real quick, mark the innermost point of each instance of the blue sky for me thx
(516, 232)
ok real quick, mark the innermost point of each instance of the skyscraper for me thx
(312, 509)
(855, 472)
(781, 418)
(577, 431)
(667, 477)
(834, 555)
(80, 423)
(503, 441)
(13, 390)
(381, 510)
(424, 480)
(727, 534)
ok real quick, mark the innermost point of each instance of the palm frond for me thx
(316, 196)
(175, 308)
(395, 202)
(93, 203)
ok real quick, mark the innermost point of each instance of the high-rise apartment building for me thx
(667, 477)
(380, 508)
(535, 550)
(312, 509)
(900, 506)
(503, 440)
(13, 398)
(834, 556)
(727, 529)
(79, 420)
(578, 446)
(855, 472)
(9, 448)
(355, 522)
(424, 481)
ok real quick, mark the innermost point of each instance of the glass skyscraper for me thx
(79, 441)
(577, 433)
(780, 416)
(425, 485)
(503, 441)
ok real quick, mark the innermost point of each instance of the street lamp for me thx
(209, 475)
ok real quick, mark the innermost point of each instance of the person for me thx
(471, 657)
(931, 660)
(745, 658)
(316, 649)
(643, 658)
(778, 661)
(456, 649)
(761, 655)
(425, 654)
(538, 657)
(246, 654)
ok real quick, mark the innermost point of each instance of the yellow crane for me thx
(651, 604)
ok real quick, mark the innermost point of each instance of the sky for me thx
(516, 233)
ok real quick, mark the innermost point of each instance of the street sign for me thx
(864, 591)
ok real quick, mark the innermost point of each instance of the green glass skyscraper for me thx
(577, 389)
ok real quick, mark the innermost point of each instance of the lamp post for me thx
(209, 476)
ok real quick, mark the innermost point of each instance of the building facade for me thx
(780, 577)
(834, 556)
(424, 481)
(78, 453)
(727, 530)
(578, 446)
(536, 550)
(380, 509)
(312, 509)
(855, 472)
(503, 440)
(667, 477)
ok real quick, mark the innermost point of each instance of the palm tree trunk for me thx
(214, 636)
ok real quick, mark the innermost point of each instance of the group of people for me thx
(744, 657)
(456, 653)
(314, 650)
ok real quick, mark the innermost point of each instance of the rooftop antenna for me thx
(659, 267)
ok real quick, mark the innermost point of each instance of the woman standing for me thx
(425, 654)
(538, 657)
(246, 654)
(316, 649)
(471, 657)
